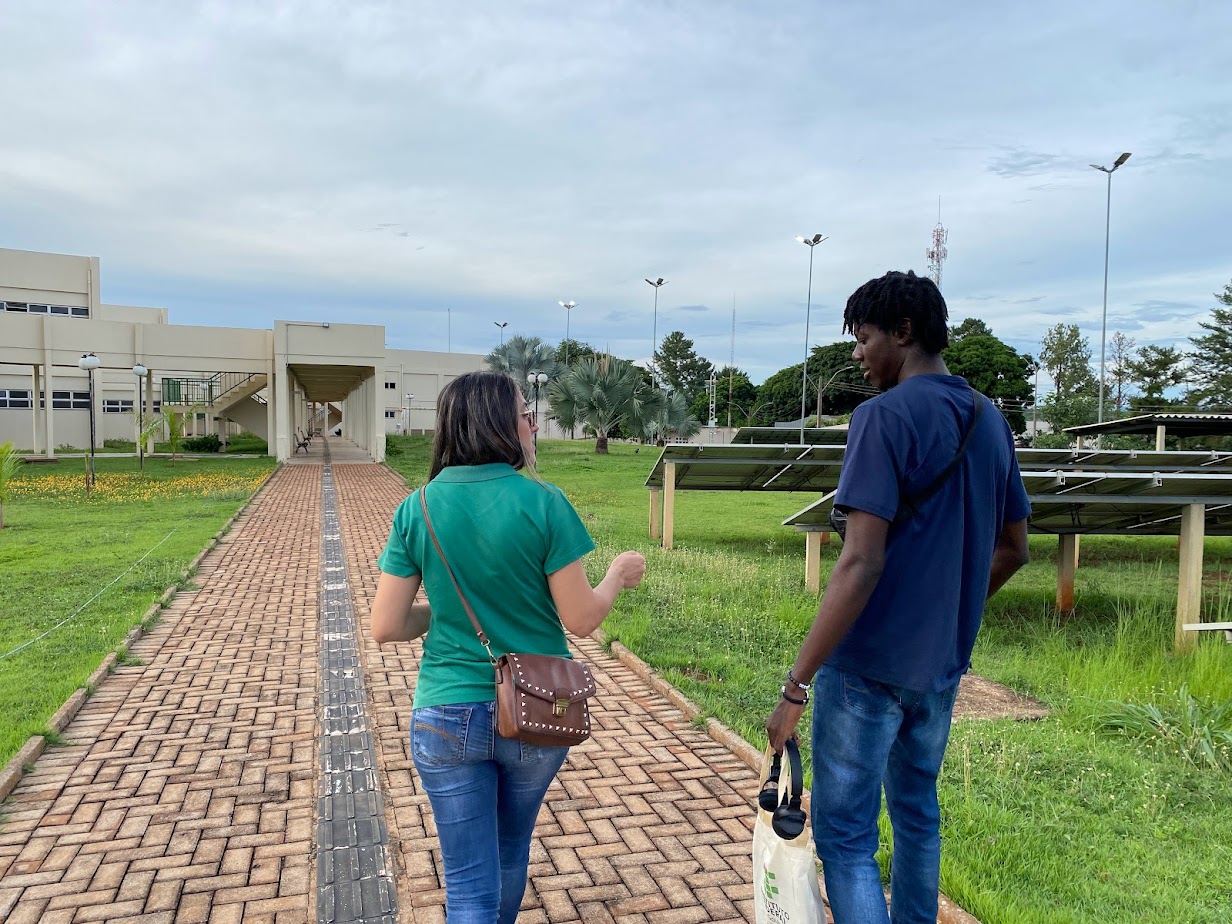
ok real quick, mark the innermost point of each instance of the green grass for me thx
(1051, 821)
(59, 549)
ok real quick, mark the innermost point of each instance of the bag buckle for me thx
(560, 707)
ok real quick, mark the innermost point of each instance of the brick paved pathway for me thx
(188, 791)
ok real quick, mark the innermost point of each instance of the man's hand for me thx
(782, 724)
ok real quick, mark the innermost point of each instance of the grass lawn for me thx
(59, 549)
(1048, 821)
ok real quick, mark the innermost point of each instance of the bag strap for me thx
(912, 502)
(483, 639)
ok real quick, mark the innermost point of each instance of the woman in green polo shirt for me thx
(516, 547)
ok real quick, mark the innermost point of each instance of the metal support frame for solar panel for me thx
(1066, 504)
(813, 436)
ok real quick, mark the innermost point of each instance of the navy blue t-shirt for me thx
(919, 626)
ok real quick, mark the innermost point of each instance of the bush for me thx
(209, 443)
(1197, 730)
(118, 444)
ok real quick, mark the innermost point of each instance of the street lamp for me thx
(537, 381)
(406, 415)
(822, 388)
(657, 284)
(502, 325)
(568, 306)
(89, 362)
(812, 243)
(140, 371)
(1103, 333)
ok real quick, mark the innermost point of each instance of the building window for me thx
(392, 385)
(15, 398)
(391, 415)
(66, 311)
(66, 400)
(117, 406)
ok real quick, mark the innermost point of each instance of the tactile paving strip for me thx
(354, 882)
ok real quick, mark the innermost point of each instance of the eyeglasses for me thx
(529, 415)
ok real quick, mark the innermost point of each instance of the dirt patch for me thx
(980, 698)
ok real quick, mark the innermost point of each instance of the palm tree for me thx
(601, 393)
(150, 427)
(522, 355)
(672, 421)
(175, 426)
(9, 463)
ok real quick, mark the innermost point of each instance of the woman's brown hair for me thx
(477, 422)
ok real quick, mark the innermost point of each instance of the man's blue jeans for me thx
(866, 735)
(485, 792)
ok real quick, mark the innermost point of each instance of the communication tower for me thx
(937, 253)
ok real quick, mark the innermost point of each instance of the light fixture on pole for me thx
(406, 415)
(537, 381)
(140, 371)
(89, 362)
(568, 306)
(821, 389)
(502, 325)
(812, 243)
(657, 284)
(1103, 331)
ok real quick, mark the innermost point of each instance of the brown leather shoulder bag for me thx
(540, 699)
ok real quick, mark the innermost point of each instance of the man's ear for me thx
(904, 334)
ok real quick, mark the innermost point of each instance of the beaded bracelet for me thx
(796, 683)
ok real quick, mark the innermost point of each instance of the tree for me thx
(672, 420)
(994, 369)
(10, 461)
(1119, 377)
(1153, 370)
(175, 426)
(971, 327)
(680, 367)
(570, 350)
(519, 356)
(1066, 356)
(1212, 356)
(832, 364)
(733, 390)
(602, 393)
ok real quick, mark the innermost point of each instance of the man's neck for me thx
(919, 363)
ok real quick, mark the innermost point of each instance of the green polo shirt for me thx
(503, 535)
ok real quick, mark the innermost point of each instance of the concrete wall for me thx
(49, 278)
(421, 373)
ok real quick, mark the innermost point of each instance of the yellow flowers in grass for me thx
(121, 487)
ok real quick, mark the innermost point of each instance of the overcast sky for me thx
(381, 163)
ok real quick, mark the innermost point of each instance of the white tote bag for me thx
(785, 888)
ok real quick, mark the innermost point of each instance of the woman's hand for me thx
(627, 569)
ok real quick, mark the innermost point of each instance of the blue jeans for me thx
(485, 792)
(867, 735)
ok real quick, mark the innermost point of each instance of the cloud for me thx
(692, 308)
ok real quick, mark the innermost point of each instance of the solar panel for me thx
(1124, 503)
(1123, 459)
(750, 468)
(813, 436)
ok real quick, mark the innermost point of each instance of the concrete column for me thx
(656, 513)
(1159, 437)
(1189, 585)
(36, 386)
(49, 444)
(149, 406)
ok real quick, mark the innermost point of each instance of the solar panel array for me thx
(1071, 491)
(813, 436)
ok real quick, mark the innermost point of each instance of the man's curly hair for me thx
(895, 297)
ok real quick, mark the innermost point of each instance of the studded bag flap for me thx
(540, 699)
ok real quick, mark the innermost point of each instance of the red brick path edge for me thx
(15, 769)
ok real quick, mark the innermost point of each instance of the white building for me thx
(301, 376)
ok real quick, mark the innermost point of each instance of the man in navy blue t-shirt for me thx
(898, 620)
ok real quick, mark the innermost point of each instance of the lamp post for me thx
(822, 388)
(656, 284)
(139, 371)
(537, 380)
(89, 362)
(1103, 331)
(812, 243)
(568, 306)
(406, 415)
(502, 325)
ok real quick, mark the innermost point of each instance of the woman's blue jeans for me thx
(485, 792)
(867, 735)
